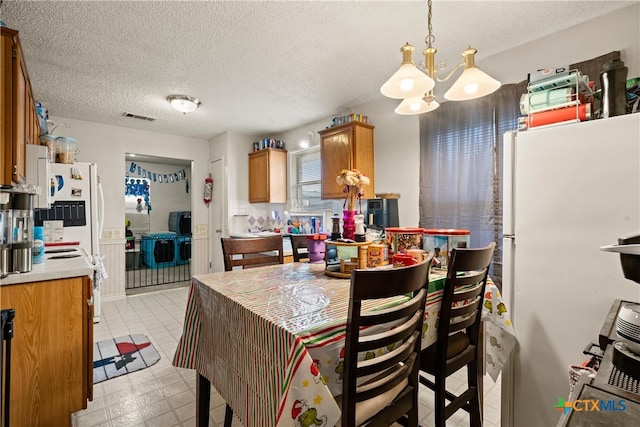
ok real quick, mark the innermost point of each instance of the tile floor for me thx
(163, 395)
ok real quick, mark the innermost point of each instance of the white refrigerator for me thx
(568, 190)
(75, 217)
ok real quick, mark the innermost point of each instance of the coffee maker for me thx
(16, 229)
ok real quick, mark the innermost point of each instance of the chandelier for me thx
(415, 86)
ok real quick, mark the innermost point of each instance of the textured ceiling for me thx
(258, 67)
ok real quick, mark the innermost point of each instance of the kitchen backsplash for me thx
(264, 217)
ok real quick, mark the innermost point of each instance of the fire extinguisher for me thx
(208, 189)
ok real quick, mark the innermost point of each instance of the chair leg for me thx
(473, 378)
(412, 416)
(228, 416)
(440, 402)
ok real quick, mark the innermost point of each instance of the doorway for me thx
(158, 201)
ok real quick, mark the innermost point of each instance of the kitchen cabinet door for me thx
(348, 146)
(268, 176)
(18, 115)
(21, 118)
(6, 107)
(52, 350)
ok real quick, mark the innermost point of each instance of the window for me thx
(461, 166)
(137, 195)
(306, 186)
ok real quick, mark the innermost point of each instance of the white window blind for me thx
(306, 189)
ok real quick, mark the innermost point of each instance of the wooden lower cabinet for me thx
(51, 350)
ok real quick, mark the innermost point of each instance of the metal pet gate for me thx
(158, 259)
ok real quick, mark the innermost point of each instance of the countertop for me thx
(52, 269)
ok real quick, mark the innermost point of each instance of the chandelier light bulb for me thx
(416, 105)
(472, 84)
(408, 81)
(406, 85)
(471, 88)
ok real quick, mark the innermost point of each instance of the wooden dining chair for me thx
(299, 241)
(253, 252)
(382, 388)
(248, 253)
(458, 335)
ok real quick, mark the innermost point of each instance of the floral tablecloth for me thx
(271, 340)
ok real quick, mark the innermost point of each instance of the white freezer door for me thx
(578, 188)
(77, 183)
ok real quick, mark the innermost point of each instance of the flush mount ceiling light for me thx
(415, 86)
(183, 103)
(307, 142)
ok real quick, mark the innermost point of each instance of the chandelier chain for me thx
(430, 37)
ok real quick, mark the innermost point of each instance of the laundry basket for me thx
(577, 371)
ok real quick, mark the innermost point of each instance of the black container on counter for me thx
(613, 81)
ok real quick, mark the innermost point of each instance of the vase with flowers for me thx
(353, 182)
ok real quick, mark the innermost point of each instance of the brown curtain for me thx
(461, 161)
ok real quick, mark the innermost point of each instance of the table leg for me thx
(203, 397)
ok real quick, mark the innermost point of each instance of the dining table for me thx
(271, 340)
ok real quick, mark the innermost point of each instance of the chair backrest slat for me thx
(396, 330)
(298, 241)
(468, 266)
(252, 252)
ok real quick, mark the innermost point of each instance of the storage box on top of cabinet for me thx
(268, 176)
(348, 146)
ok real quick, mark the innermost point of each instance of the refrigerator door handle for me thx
(100, 210)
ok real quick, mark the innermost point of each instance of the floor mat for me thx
(122, 355)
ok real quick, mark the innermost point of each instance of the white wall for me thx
(615, 31)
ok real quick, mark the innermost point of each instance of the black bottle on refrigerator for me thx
(613, 81)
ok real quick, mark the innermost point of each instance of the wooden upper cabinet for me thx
(268, 176)
(18, 116)
(348, 146)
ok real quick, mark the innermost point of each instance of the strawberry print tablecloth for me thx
(271, 339)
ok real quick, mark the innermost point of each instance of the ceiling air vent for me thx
(139, 117)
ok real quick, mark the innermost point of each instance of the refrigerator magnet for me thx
(76, 192)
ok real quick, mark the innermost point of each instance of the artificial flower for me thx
(353, 182)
